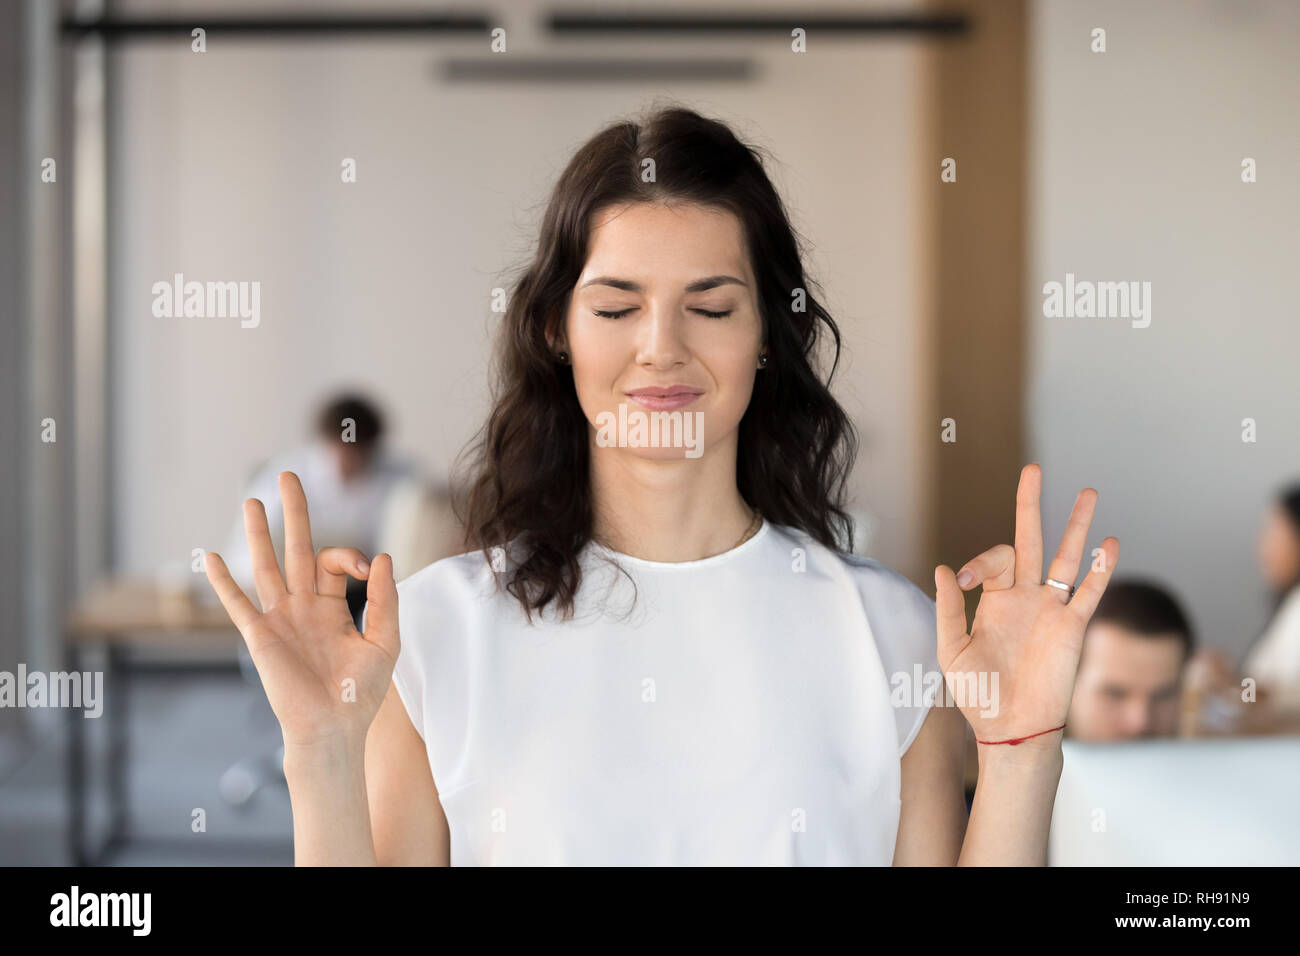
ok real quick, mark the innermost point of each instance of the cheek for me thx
(736, 377)
(597, 352)
(735, 385)
(1291, 551)
(1279, 542)
(731, 355)
(1164, 707)
(583, 337)
(1278, 556)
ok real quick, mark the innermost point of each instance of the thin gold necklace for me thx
(754, 525)
(749, 532)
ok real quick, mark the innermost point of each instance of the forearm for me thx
(331, 813)
(1012, 810)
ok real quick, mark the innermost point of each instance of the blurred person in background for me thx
(362, 497)
(351, 478)
(1273, 661)
(1130, 674)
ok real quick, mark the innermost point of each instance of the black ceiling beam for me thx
(312, 27)
(586, 22)
(560, 23)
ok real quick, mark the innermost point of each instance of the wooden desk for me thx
(140, 613)
(122, 617)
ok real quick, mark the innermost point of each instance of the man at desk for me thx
(348, 476)
(1130, 674)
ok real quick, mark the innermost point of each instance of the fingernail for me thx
(965, 578)
(363, 566)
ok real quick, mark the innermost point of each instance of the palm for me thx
(315, 666)
(321, 675)
(1031, 641)
(1024, 645)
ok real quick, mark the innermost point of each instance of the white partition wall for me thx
(227, 167)
(1138, 155)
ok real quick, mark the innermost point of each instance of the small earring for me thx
(564, 358)
(762, 360)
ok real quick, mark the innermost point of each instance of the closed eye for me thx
(623, 312)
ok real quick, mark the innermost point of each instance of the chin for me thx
(665, 454)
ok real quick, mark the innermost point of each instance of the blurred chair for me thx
(419, 527)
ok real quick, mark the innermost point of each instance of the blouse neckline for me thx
(743, 548)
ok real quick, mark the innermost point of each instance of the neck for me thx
(672, 511)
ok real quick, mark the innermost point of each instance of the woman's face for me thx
(664, 319)
(1279, 550)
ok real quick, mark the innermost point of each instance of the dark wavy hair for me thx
(529, 479)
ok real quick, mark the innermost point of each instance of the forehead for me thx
(659, 244)
(1117, 655)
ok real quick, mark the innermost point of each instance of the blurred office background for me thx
(225, 165)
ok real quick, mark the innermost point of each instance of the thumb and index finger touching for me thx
(1003, 566)
(305, 570)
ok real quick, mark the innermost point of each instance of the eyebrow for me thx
(699, 285)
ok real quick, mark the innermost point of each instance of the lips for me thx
(664, 397)
(666, 391)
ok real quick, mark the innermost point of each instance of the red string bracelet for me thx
(1020, 740)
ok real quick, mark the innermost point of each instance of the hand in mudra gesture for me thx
(323, 678)
(1028, 633)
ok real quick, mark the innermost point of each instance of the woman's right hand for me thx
(324, 679)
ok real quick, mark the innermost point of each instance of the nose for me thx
(1137, 718)
(660, 344)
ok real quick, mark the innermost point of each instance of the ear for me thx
(556, 339)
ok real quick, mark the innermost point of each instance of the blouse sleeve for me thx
(1275, 659)
(902, 619)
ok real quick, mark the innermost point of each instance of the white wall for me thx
(227, 168)
(1136, 155)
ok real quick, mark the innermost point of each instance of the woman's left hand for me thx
(1024, 646)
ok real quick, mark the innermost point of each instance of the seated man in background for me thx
(359, 497)
(1130, 673)
(348, 477)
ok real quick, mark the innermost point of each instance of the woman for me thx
(1274, 660)
(1214, 696)
(658, 655)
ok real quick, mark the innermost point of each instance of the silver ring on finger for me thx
(1060, 586)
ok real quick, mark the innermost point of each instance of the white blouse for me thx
(734, 710)
(1274, 660)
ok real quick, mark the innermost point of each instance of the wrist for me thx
(1041, 752)
(325, 755)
